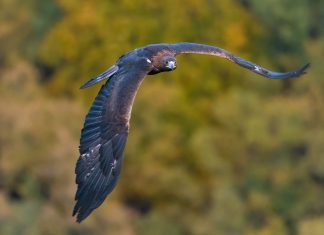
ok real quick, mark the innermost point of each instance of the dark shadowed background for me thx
(213, 148)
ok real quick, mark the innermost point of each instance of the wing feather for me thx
(186, 47)
(101, 149)
(103, 139)
(108, 73)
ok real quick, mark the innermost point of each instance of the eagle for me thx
(105, 131)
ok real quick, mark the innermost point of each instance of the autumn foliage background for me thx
(213, 148)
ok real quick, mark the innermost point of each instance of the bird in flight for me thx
(105, 130)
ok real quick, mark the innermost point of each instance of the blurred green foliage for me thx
(218, 151)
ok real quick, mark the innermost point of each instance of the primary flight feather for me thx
(105, 131)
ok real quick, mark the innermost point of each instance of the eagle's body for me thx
(105, 131)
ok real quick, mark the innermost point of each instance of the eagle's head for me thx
(169, 63)
(163, 62)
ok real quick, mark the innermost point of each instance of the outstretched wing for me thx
(103, 139)
(185, 47)
(101, 155)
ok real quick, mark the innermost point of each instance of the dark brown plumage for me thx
(105, 131)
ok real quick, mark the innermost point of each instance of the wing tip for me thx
(80, 216)
(299, 72)
(302, 70)
(293, 74)
(83, 86)
(108, 73)
(91, 82)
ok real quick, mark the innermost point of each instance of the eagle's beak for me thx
(171, 65)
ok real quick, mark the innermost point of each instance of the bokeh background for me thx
(213, 148)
